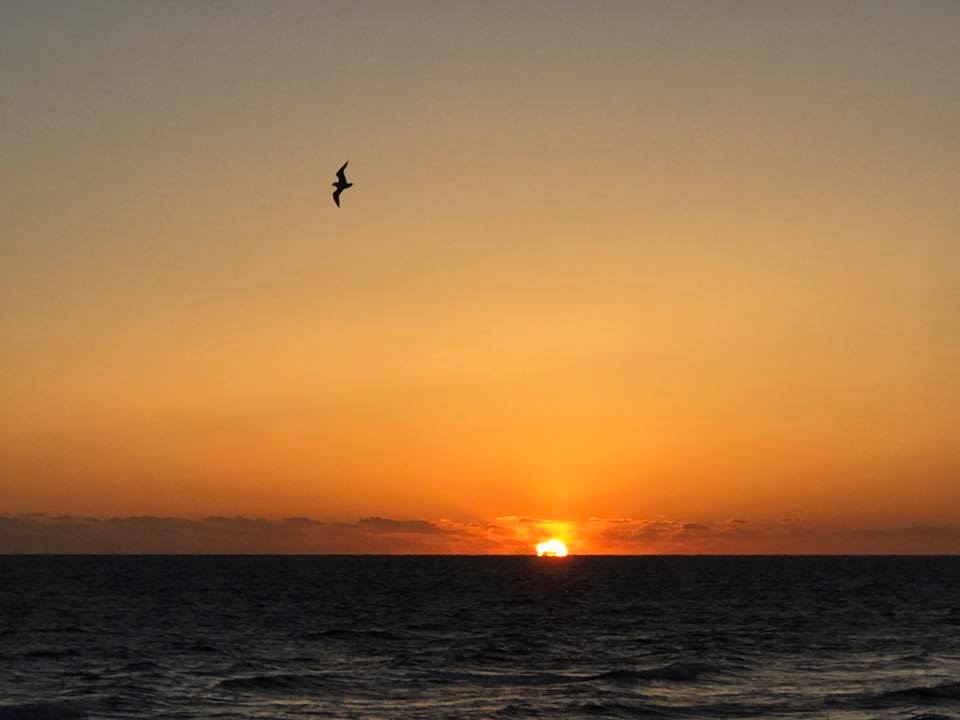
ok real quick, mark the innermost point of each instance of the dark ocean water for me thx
(441, 637)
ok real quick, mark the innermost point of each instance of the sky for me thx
(651, 276)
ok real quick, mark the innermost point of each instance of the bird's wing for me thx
(340, 176)
(336, 196)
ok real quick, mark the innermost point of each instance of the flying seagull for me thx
(341, 184)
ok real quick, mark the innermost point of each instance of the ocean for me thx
(479, 637)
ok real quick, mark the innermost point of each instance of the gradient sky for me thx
(689, 263)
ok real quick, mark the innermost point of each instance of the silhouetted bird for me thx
(341, 184)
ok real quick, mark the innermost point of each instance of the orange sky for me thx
(681, 264)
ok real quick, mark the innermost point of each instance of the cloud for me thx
(386, 525)
(38, 533)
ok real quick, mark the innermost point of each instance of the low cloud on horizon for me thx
(63, 534)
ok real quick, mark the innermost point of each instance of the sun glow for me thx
(552, 548)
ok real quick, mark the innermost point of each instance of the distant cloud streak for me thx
(39, 533)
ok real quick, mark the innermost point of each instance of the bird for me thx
(341, 184)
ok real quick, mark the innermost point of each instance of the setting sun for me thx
(552, 548)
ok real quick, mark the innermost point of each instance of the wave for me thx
(673, 672)
(43, 711)
(621, 710)
(63, 630)
(914, 660)
(201, 647)
(50, 653)
(281, 683)
(517, 711)
(351, 634)
(925, 694)
(139, 666)
(947, 692)
(532, 679)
